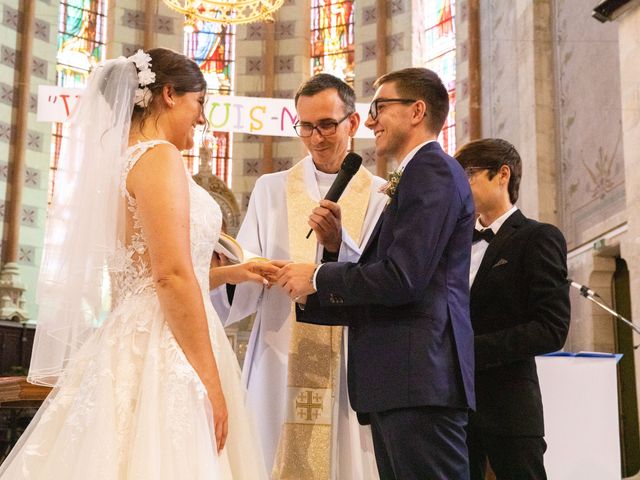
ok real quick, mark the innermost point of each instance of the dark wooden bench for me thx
(19, 400)
(17, 392)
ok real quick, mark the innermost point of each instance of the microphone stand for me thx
(584, 291)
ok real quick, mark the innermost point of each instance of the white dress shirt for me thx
(479, 248)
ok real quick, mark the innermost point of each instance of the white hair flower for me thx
(146, 77)
(141, 59)
(142, 97)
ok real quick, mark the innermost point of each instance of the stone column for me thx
(381, 65)
(150, 12)
(12, 305)
(269, 88)
(468, 86)
(629, 39)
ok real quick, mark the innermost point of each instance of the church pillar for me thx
(381, 65)
(269, 83)
(475, 117)
(381, 36)
(150, 12)
(12, 305)
(629, 26)
(468, 80)
(629, 41)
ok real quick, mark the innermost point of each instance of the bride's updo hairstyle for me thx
(174, 69)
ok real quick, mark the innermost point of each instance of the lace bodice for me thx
(130, 269)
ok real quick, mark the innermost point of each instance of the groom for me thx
(406, 301)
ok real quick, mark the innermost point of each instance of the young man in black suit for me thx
(519, 309)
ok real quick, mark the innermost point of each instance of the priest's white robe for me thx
(265, 233)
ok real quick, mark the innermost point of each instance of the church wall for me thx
(366, 14)
(35, 187)
(591, 153)
(403, 50)
(517, 94)
(126, 24)
(291, 65)
(564, 117)
(590, 146)
(629, 34)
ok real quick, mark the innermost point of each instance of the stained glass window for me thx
(332, 44)
(81, 45)
(440, 56)
(212, 46)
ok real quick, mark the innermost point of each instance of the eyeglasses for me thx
(374, 109)
(324, 128)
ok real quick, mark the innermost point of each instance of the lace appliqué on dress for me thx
(129, 268)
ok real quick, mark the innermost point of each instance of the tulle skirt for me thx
(130, 406)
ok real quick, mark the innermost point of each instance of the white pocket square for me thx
(502, 261)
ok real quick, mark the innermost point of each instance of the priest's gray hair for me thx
(325, 81)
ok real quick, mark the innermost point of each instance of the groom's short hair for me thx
(421, 84)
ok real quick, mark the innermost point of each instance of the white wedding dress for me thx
(129, 405)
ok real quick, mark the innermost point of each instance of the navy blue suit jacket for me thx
(406, 301)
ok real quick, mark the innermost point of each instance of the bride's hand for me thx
(261, 272)
(220, 415)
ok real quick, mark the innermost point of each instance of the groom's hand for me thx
(297, 279)
(326, 221)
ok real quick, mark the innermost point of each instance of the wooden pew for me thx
(17, 392)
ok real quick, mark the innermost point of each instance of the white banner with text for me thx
(253, 115)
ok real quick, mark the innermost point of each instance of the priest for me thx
(295, 372)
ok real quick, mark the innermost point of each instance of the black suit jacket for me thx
(406, 301)
(519, 308)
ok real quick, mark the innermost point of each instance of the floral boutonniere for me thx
(390, 187)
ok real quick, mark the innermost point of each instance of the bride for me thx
(152, 390)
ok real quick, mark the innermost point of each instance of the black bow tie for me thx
(486, 235)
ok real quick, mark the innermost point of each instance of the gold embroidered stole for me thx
(305, 444)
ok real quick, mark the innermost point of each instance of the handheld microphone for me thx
(584, 290)
(348, 169)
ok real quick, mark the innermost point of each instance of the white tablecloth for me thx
(580, 397)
